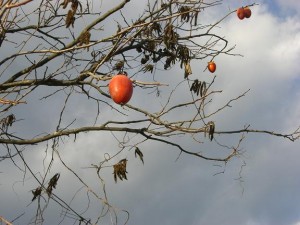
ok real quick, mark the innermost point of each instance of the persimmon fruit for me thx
(120, 89)
(240, 13)
(212, 67)
(247, 12)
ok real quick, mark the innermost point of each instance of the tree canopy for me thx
(58, 58)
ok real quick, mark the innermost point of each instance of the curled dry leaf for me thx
(185, 13)
(199, 88)
(65, 3)
(52, 183)
(187, 69)
(37, 192)
(211, 130)
(84, 39)
(74, 6)
(148, 68)
(170, 37)
(70, 18)
(8, 121)
(120, 170)
(119, 65)
(139, 153)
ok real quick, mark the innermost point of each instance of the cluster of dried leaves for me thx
(7, 121)
(120, 167)
(152, 36)
(170, 37)
(71, 13)
(120, 170)
(184, 55)
(119, 65)
(51, 185)
(188, 13)
(199, 88)
(84, 39)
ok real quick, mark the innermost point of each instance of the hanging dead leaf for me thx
(139, 153)
(119, 65)
(65, 3)
(185, 13)
(37, 192)
(199, 88)
(148, 68)
(187, 69)
(8, 121)
(170, 37)
(70, 18)
(120, 170)
(52, 184)
(84, 39)
(211, 130)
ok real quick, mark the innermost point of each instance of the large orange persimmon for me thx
(120, 89)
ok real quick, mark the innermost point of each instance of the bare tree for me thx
(61, 49)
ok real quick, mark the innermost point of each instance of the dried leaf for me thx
(120, 170)
(37, 192)
(199, 88)
(185, 14)
(170, 37)
(8, 121)
(65, 3)
(196, 18)
(211, 131)
(147, 68)
(119, 65)
(70, 18)
(203, 89)
(84, 39)
(52, 183)
(139, 153)
(187, 69)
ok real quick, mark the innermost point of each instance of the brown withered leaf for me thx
(148, 68)
(120, 170)
(187, 69)
(185, 14)
(74, 6)
(8, 121)
(84, 39)
(52, 183)
(199, 87)
(70, 18)
(211, 130)
(139, 153)
(37, 192)
(119, 65)
(65, 3)
(170, 37)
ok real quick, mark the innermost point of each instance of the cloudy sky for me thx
(259, 188)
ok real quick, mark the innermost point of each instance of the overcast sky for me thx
(165, 191)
